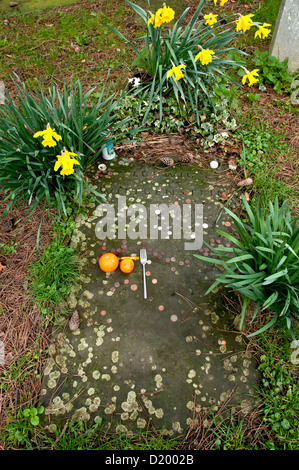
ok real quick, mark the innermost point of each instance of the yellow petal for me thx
(37, 134)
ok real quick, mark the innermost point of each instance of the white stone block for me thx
(285, 40)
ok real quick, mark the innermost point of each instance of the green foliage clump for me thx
(20, 433)
(179, 116)
(27, 171)
(280, 401)
(258, 143)
(272, 71)
(52, 275)
(179, 46)
(263, 265)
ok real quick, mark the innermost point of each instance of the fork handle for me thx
(144, 284)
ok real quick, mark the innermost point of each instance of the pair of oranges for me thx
(109, 262)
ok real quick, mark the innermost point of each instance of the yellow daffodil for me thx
(210, 19)
(176, 71)
(244, 23)
(251, 77)
(163, 15)
(222, 2)
(263, 31)
(205, 56)
(167, 14)
(67, 163)
(49, 135)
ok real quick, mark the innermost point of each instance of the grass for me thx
(70, 43)
(66, 44)
(52, 275)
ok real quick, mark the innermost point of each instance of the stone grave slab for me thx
(136, 362)
(285, 40)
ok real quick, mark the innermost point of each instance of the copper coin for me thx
(134, 287)
(161, 308)
(154, 281)
(103, 313)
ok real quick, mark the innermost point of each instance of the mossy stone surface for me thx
(161, 359)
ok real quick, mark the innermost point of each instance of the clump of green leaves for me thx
(263, 264)
(280, 401)
(178, 46)
(52, 275)
(9, 247)
(21, 432)
(27, 171)
(179, 116)
(272, 71)
(258, 143)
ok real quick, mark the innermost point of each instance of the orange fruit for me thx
(126, 265)
(108, 262)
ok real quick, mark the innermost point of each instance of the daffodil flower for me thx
(49, 135)
(176, 70)
(263, 31)
(210, 19)
(244, 23)
(251, 77)
(205, 56)
(222, 2)
(167, 14)
(67, 163)
(163, 15)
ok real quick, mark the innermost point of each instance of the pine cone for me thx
(74, 321)
(245, 182)
(186, 158)
(167, 161)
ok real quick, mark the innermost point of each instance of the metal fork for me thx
(143, 261)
